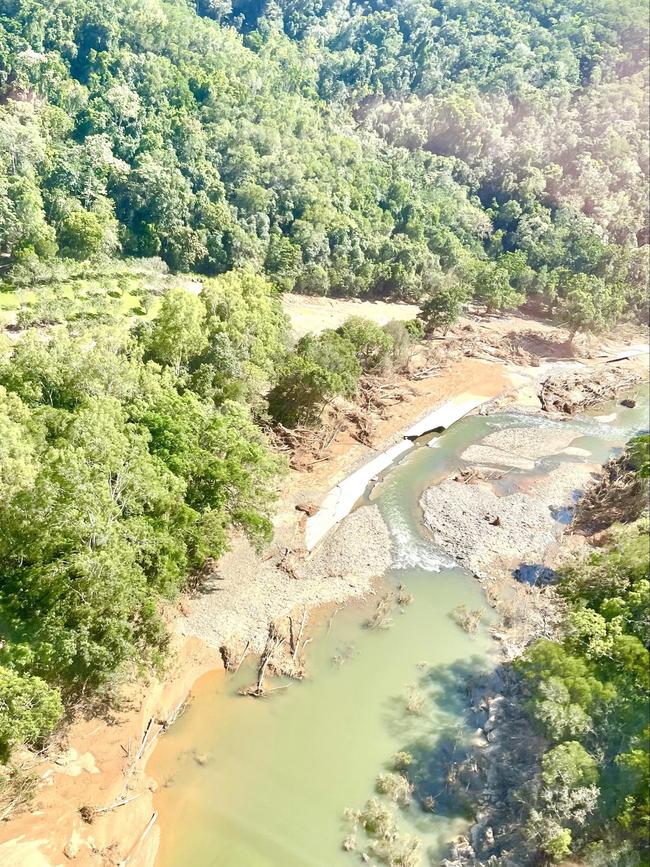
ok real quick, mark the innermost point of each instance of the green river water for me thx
(264, 783)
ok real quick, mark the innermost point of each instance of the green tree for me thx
(19, 435)
(439, 311)
(301, 392)
(559, 846)
(638, 450)
(568, 764)
(492, 287)
(335, 354)
(245, 309)
(80, 234)
(634, 793)
(371, 343)
(589, 304)
(29, 710)
(178, 331)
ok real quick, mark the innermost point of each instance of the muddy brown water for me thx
(265, 783)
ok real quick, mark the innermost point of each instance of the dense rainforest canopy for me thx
(376, 148)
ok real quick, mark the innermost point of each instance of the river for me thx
(264, 782)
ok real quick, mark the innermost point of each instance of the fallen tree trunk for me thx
(273, 643)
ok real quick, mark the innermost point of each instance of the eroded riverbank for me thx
(39, 838)
(265, 783)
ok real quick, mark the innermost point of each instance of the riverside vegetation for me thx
(564, 774)
(413, 150)
(128, 454)
(584, 788)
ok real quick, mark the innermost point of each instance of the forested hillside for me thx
(139, 128)
(487, 150)
(428, 150)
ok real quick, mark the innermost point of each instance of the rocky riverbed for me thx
(257, 592)
(497, 527)
(491, 533)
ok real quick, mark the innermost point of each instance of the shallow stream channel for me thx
(249, 782)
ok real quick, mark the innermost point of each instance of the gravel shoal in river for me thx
(481, 454)
(247, 592)
(529, 444)
(518, 448)
(490, 534)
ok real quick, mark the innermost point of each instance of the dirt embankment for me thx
(98, 762)
(92, 764)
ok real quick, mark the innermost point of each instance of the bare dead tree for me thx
(274, 641)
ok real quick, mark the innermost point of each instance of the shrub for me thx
(415, 328)
(403, 342)
(396, 787)
(372, 344)
(301, 391)
(29, 710)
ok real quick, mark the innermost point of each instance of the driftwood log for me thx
(618, 496)
(283, 654)
(274, 641)
(570, 392)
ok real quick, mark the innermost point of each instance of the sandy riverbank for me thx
(93, 766)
